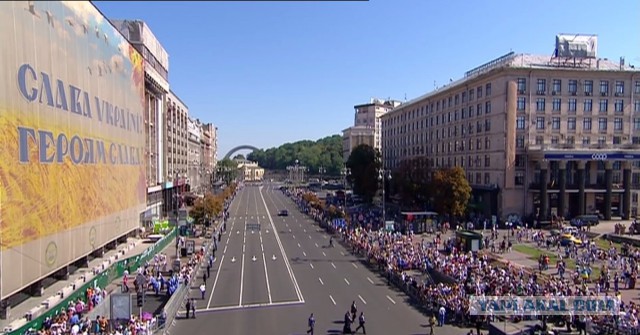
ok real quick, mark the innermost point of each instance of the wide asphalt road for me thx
(271, 272)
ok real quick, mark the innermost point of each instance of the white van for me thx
(570, 230)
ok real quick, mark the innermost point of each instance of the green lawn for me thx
(534, 254)
(604, 244)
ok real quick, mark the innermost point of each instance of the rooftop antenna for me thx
(405, 97)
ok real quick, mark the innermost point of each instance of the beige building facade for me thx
(367, 126)
(535, 135)
(250, 171)
(177, 138)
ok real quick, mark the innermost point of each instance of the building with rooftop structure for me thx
(366, 127)
(537, 135)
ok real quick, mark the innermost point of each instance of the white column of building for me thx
(160, 142)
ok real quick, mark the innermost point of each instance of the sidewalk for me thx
(133, 247)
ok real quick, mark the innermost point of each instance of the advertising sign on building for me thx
(72, 136)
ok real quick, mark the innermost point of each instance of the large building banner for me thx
(72, 141)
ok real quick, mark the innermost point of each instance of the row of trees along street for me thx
(418, 184)
(211, 206)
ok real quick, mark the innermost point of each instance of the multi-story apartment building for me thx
(209, 154)
(156, 78)
(366, 127)
(176, 152)
(535, 135)
(194, 155)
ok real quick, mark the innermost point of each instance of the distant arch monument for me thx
(238, 148)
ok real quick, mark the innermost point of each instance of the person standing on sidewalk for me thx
(188, 307)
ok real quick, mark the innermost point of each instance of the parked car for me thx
(585, 220)
(283, 212)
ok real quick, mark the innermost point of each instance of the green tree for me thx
(205, 208)
(451, 191)
(239, 157)
(364, 163)
(325, 152)
(412, 181)
(227, 170)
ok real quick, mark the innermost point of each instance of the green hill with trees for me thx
(324, 153)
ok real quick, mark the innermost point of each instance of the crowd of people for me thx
(404, 257)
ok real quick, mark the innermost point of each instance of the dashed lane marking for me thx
(354, 265)
(311, 265)
(392, 301)
(321, 282)
(346, 281)
(334, 266)
(369, 279)
(362, 299)
(333, 301)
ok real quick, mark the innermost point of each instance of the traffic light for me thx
(140, 298)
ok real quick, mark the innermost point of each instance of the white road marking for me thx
(226, 308)
(393, 302)
(334, 266)
(304, 254)
(305, 230)
(321, 282)
(282, 251)
(354, 265)
(317, 245)
(323, 254)
(324, 236)
(333, 301)
(309, 236)
(346, 281)
(369, 279)
(341, 253)
(311, 265)
(299, 245)
(225, 250)
(294, 236)
(362, 299)
(215, 281)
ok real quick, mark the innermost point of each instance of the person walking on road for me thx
(432, 323)
(347, 323)
(361, 323)
(193, 308)
(312, 324)
(354, 310)
(203, 289)
(188, 306)
(204, 278)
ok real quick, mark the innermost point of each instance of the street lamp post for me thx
(322, 171)
(383, 175)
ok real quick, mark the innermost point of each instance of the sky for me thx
(267, 73)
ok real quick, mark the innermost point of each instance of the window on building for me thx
(464, 97)
(520, 160)
(487, 178)
(602, 140)
(471, 111)
(487, 107)
(619, 106)
(520, 141)
(602, 124)
(487, 143)
(617, 124)
(617, 140)
(636, 123)
(487, 89)
(555, 140)
(586, 140)
(540, 122)
(619, 87)
(604, 87)
(573, 86)
(487, 161)
(588, 87)
(539, 140)
(573, 105)
(471, 95)
(635, 140)
(522, 85)
(604, 105)
(540, 104)
(478, 126)
(478, 178)
(457, 100)
(586, 124)
(636, 106)
(570, 140)
(487, 125)
(522, 103)
(571, 123)
(478, 144)
(478, 109)
(542, 86)
(556, 103)
(555, 123)
(519, 178)
(588, 105)
(520, 121)
(637, 87)
(557, 85)
(479, 90)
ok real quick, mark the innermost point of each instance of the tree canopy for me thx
(364, 164)
(412, 181)
(451, 191)
(325, 152)
(227, 170)
(211, 205)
